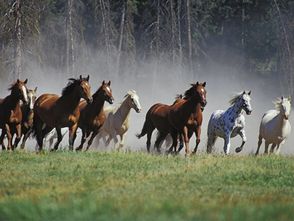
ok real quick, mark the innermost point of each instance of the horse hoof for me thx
(238, 149)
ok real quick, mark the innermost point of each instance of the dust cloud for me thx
(159, 82)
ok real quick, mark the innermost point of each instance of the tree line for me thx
(184, 33)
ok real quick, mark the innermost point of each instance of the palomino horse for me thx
(229, 123)
(53, 111)
(117, 119)
(174, 118)
(10, 112)
(275, 126)
(92, 115)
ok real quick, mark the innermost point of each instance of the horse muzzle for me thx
(286, 117)
(248, 112)
(138, 110)
(203, 103)
(110, 100)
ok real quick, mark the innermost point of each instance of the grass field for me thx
(138, 186)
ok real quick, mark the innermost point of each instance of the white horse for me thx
(275, 126)
(229, 123)
(117, 119)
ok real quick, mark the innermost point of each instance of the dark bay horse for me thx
(53, 111)
(174, 118)
(92, 115)
(10, 112)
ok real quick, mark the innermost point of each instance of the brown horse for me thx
(27, 117)
(52, 111)
(10, 112)
(92, 115)
(174, 118)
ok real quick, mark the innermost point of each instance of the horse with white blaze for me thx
(229, 123)
(117, 119)
(275, 126)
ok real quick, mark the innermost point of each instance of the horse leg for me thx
(72, 135)
(197, 133)
(186, 140)
(181, 145)
(266, 147)
(148, 143)
(122, 140)
(59, 138)
(210, 142)
(161, 136)
(227, 144)
(278, 149)
(244, 139)
(9, 137)
(174, 135)
(85, 134)
(18, 136)
(3, 133)
(273, 148)
(258, 145)
(25, 137)
(94, 133)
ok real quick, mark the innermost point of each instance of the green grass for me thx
(138, 186)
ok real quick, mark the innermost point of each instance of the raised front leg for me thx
(227, 144)
(197, 133)
(18, 135)
(72, 135)
(244, 139)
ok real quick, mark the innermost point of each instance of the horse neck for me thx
(70, 101)
(234, 110)
(281, 120)
(188, 107)
(98, 102)
(124, 110)
(27, 112)
(12, 101)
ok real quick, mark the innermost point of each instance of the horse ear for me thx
(204, 84)
(88, 77)
(244, 92)
(197, 83)
(17, 81)
(35, 89)
(282, 98)
(289, 98)
(81, 77)
(249, 92)
(26, 81)
(109, 82)
(103, 82)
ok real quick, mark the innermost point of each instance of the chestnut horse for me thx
(174, 118)
(53, 111)
(92, 115)
(10, 112)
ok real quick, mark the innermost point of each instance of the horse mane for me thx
(179, 96)
(130, 92)
(235, 98)
(12, 86)
(190, 92)
(70, 86)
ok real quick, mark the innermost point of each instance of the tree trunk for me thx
(172, 13)
(18, 36)
(70, 56)
(121, 34)
(180, 47)
(189, 35)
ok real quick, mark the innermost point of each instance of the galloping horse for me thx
(10, 112)
(275, 126)
(52, 111)
(229, 123)
(174, 118)
(27, 117)
(117, 119)
(92, 115)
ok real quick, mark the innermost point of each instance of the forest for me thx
(190, 35)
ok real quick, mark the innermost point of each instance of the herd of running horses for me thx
(22, 115)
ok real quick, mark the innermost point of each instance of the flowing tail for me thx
(146, 127)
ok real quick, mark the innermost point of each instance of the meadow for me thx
(139, 186)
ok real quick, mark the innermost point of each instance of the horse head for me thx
(85, 89)
(20, 90)
(200, 92)
(245, 102)
(32, 97)
(133, 101)
(107, 92)
(285, 107)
